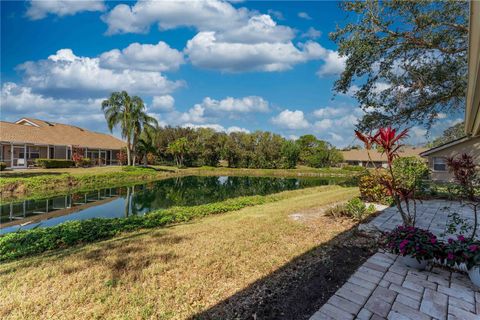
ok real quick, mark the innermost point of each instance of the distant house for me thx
(28, 139)
(437, 156)
(359, 157)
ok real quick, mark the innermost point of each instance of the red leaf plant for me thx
(389, 141)
(466, 175)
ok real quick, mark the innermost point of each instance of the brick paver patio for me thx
(384, 288)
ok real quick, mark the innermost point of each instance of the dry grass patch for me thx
(170, 273)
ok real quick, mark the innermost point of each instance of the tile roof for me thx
(52, 133)
(361, 154)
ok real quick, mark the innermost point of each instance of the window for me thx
(33, 152)
(439, 164)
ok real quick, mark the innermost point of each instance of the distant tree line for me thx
(260, 149)
(148, 143)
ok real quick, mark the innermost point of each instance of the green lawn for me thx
(186, 269)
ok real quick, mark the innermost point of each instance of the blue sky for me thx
(227, 65)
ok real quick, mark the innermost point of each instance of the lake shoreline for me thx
(35, 183)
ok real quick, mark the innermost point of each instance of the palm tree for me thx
(130, 114)
(141, 123)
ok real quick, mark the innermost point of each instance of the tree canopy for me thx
(406, 61)
(455, 132)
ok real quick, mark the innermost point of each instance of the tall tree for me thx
(405, 60)
(178, 149)
(456, 131)
(129, 113)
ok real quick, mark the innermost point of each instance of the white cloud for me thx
(162, 103)
(292, 120)
(323, 124)
(304, 15)
(240, 105)
(39, 9)
(217, 127)
(206, 51)
(202, 15)
(336, 137)
(211, 109)
(330, 112)
(333, 64)
(146, 57)
(195, 114)
(66, 75)
(441, 115)
(312, 33)
(18, 101)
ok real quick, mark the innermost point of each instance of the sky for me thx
(228, 65)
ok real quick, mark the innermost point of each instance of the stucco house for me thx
(360, 157)
(27, 139)
(469, 144)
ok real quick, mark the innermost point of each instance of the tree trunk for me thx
(129, 162)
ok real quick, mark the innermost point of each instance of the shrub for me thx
(354, 209)
(28, 242)
(372, 190)
(410, 173)
(418, 243)
(54, 163)
(85, 162)
(3, 165)
(461, 250)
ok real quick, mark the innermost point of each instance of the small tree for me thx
(77, 155)
(290, 154)
(178, 149)
(389, 141)
(466, 175)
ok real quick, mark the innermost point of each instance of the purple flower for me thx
(450, 256)
(450, 241)
(433, 240)
(473, 247)
(461, 238)
(403, 244)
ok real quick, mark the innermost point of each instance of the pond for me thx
(142, 198)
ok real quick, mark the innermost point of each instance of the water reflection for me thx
(142, 198)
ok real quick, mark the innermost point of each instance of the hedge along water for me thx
(142, 198)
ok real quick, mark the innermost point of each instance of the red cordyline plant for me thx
(466, 175)
(389, 141)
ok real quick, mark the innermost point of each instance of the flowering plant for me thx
(389, 141)
(407, 240)
(462, 250)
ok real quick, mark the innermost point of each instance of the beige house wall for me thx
(470, 147)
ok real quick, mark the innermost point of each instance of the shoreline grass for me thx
(38, 183)
(34, 241)
(180, 271)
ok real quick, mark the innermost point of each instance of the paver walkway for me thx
(431, 215)
(384, 288)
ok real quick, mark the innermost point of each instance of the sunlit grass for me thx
(170, 273)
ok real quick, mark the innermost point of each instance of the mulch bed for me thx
(300, 288)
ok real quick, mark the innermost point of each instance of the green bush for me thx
(54, 163)
(410, 172)
(3, 165)
(28, 242)
(354, 209)
(372, 190)
(85, 162)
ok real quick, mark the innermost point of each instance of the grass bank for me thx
(37, 183)
(278, 260)
(29, 242)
